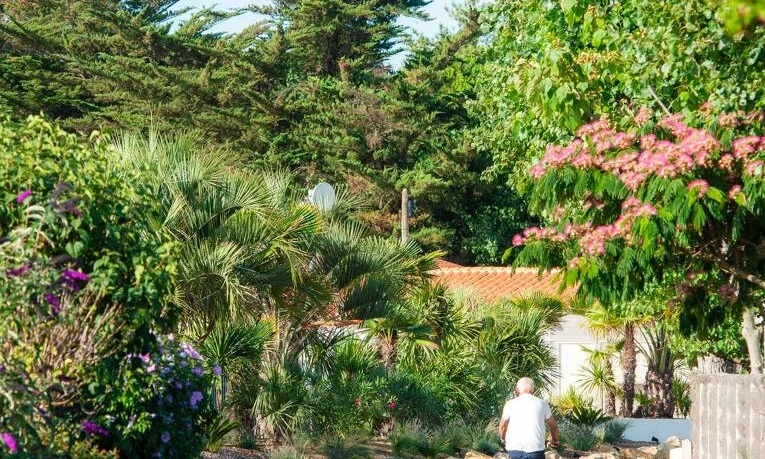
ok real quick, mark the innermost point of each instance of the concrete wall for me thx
(647, 429)
(728, 415)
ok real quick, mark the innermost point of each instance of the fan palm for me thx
(619, 324)
(244, 236)
(598, 376)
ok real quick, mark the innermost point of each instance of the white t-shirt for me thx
(526, 416)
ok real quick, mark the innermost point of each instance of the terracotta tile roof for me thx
(493, 283)
(441, 264)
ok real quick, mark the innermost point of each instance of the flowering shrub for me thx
(159, 404)
(631, 208)
(85, 275)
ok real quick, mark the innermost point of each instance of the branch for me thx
(742, 275)
(656, 98)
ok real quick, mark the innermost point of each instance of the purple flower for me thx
(2, 368)
(72, 279)
(54, 302)
(198, 371)
(165, 437)
(178, 385)
(217, 369)
(10, 442)
(91, 427)
(169, 398)
(75, 275)
(23, 196)
(195, 398)
(16, 272)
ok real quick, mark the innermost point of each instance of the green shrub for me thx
(580, 438)
(412, 440)
(612, 431)
(351, 447)
(570, 400)
(247, 440)
(217, 431)
(286, 452)
(682, 393)
(86, 278)
(485, 439)
(587, 416)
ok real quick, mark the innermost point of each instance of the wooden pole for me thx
(404, 216)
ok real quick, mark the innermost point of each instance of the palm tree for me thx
(598, 376)
(243, 236)
(662, 363)
(619, 324)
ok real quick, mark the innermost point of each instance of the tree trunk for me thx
(659, 389)
(752, 337)
(388, 351)
(609, 403)
(629, 363)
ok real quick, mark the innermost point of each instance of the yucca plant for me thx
(216, 432)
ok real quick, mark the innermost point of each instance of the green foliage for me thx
(412, 440)
(570, 400)
(587, 416)
(580, 438)
(348, 447)
(217, 430)
(554, 66)
(286, 452)
(83, 261)
(306, 89)
(682, 393)
(612, 431)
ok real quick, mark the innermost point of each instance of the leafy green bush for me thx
(682, 393)
(286, 452)
(612, 431)
(580, 438)
(413, 440)
(570, 400)
(484, 439)
(587, 416)
(86, 277)
(350, 447)
(217, 430)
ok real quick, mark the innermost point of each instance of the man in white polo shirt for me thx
(522, 425)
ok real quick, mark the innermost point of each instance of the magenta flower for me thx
(23, 196)
(518, 240)
(392, 405)
(10, 442)
(75, 275)
(21, 270)
(54, 302)
(90, 427)
(151, 368)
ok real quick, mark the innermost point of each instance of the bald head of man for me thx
(524, 386)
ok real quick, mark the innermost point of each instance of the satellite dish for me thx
(323, 196)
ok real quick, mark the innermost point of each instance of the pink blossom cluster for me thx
(592, 240)
(692, 148)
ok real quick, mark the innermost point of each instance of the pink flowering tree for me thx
(678, 202)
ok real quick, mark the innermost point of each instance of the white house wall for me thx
(567, 344)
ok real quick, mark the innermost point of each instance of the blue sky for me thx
(437, 10)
